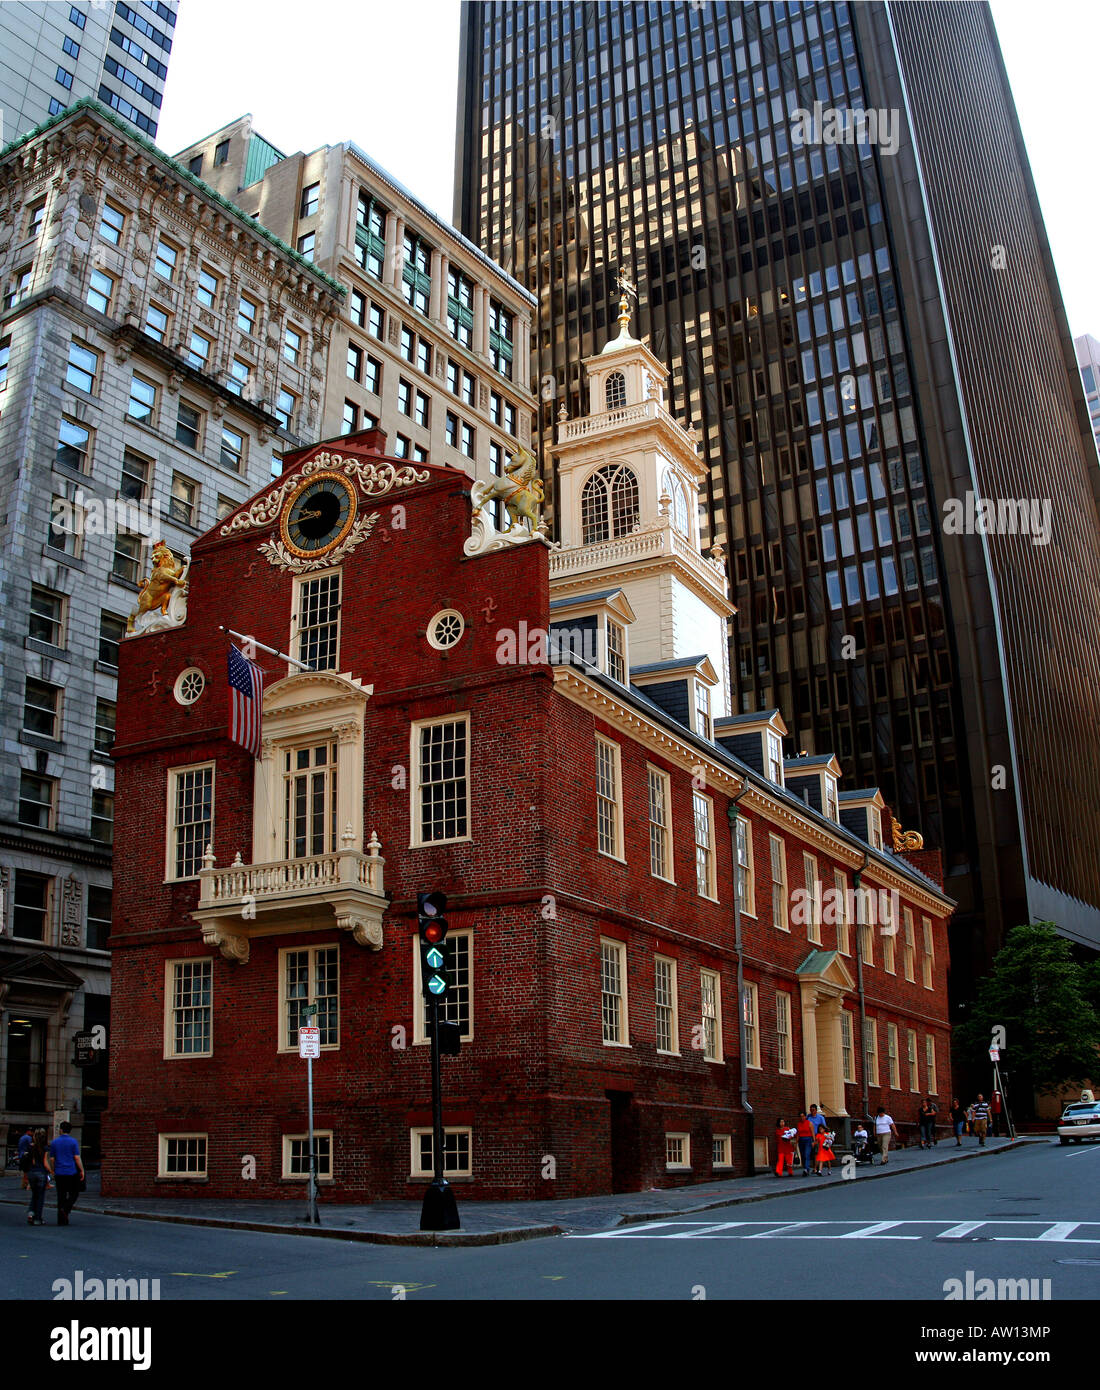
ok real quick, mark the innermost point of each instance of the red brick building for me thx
(544, 734)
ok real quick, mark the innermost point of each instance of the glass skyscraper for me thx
(784, 184)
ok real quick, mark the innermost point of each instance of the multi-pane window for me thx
(226, 507)
(450, 429)
(99, 917)
(72, 445)
(19, 287)
(664, 1004)
(357, 307)
(165, 260)
(870, 1051)
(721, 1150)
(206, 290)
(77, 17)
(615, 391)
(779, 883)
(247, 310)
(311, 197)
(441, 792)
(703, 817)
(112, 629)
(36, 800)
(457, 970)
(750, 1004)
(830, 798)
(889, 950)
(156, 323)
(677, 1150)
(847, 1047)
(42, 708)
(231, 453)
(191, 806)
(928, 959)
(460, 308)
(930, 1062)
(307, 244)
(613, 990)
(908, 946)
(609, 503)
(812, 900)
(608, 806)
(775, 758)
(702, 710)
(746, 872)
(83, 367)
(183, 1156)
(143, 399)
(416, 278)
(355, 362)
(783, 1031)
(421, 407)
(372, 375)
(188, 424)
(840, 896)
(457, 1146)
(183, 501)
(111, 224)
(135, 476)
(311, 977)
(128, 552)
(660, 848)
(101, 290)
(424, 356)
(292, 345)
(350, 422)
(31, 904)
(104, 726)
(502, 327)
(468, 389)
(66, 529)
(64, 77)
(198, 352)
(370, 235)
(404, 397)
(296, 1155)
(466, 443)
(103, 817)
(239, 373)
(710, 1003)
(616, 652)
(221, 153)
(190, 1012)
(47, 616)
(36, 215)
(911, 1058)
(319, 621)
(309, 800)
(376, 322)
(285, 405)
(893, 1069)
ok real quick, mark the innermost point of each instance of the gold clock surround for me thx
(337, 483)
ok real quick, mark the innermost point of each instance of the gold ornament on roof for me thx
(167, 581)
(905, 839)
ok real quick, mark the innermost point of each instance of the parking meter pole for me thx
(314, 1217)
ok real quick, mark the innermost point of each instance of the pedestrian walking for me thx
(958, 1120)
(823, 1152)
(804, 1133)
(38, 1177)
(785, 1136)
(926, 1119)
(817, 1118)
(980, 1122)
(884, 1129)
(26, 1139)
(67, 1168)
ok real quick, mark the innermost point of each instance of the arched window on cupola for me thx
(615, 391)
(609, 504)
(678, 510)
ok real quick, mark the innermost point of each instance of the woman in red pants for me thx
(784, 1148)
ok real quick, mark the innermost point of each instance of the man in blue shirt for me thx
(817, 1119)
(26, 1142)
(68, 1170)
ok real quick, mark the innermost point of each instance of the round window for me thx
(189, 685)
(445, 629)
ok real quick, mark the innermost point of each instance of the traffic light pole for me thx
(440, 1210)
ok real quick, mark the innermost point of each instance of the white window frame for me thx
(909, 948)
(870, 1051)
(911, 1059)
(701, 712)
(930, 1064)
(700, 801)
(773, 751)
(831, 805)
(751, 1004)
(889, 952)
(615, 801)
(847, 1047)
(811, 887)
(843, 926)
(723, 1143)
(313, 947)
(420, 1030)
(893, 1060)
(683, 1163)
(415, 1168)
(297, 628)
(615, 650)
(170, 972)
(324, 1173)
(784, 1034)
(174, 773)
(162, 1156)
(747, 876)
(713, 1052)
(672, 1006)
(415, 785)
(928, 958)
(779, 885)
(619, 949)
(655, 776)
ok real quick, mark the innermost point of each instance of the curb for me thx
(509, 1235)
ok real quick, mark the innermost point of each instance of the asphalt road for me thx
(1033, 1214)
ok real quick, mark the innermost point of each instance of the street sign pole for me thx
(437, 1097)
(440, 1210)
(309, 1013)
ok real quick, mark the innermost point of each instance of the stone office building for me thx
(158, 352)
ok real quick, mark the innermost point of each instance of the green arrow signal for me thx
(435, 958)
(437, 984)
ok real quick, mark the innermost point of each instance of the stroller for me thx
(862, 1150)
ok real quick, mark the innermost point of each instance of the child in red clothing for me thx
(784, 1148)
(823, 1150)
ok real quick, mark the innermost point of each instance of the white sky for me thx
(385, 75)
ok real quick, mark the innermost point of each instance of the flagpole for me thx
(244, 637)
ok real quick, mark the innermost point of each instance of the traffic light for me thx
(432, 924)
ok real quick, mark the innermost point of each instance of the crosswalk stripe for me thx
(780, 1230)
(962, 1229)
(865, 1232)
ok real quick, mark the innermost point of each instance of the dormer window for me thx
(609, 504)
(830, 798)
(775, 758)
(702, 710)
(616, 652)
(874, 825)
(615, 391)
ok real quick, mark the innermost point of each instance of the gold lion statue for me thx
(165, 577)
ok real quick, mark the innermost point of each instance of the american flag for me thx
(246, 694)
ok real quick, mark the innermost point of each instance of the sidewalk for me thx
(495, 1223)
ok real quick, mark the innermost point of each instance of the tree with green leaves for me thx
(1049, 1007)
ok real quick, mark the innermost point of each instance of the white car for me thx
(1080, 1121)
